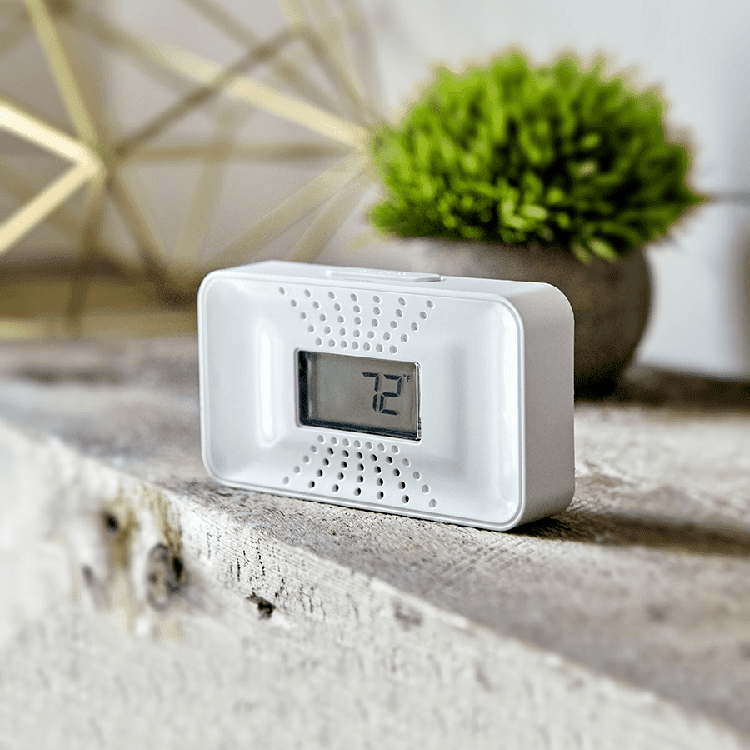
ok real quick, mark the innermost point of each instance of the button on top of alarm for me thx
(374, 274)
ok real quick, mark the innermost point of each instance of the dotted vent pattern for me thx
(360, 469)
(367, 322)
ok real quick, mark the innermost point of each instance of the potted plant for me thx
(553, 173)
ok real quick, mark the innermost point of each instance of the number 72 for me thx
(379, 397)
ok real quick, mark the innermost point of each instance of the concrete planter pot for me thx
(610, 301)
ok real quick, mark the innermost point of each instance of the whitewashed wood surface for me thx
(624, 622)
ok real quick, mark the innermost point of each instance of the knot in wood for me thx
(165, 576)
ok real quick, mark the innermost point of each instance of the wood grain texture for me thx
(622, 623)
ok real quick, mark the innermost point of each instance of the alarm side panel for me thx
(243, 380)
(547, 320)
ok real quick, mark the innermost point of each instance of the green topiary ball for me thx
(552, 156)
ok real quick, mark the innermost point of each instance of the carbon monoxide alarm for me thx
(437, 397)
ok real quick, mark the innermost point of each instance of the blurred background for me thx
(201, 208)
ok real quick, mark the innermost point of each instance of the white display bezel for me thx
(468, 458)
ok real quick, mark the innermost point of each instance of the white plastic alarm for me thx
(437, 397)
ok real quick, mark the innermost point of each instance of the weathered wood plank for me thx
(623, 622)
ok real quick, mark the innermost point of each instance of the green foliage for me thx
(553, 156)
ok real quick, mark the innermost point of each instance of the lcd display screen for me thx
(359, 394)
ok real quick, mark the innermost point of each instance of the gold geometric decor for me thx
(303, 73)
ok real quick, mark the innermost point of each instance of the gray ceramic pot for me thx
(610, 301)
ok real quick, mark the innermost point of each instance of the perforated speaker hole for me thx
(337, 465)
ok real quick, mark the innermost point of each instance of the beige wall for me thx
(697, 53)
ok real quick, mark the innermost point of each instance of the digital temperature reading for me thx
(359, 394)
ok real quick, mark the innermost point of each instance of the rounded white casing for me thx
(495, 363)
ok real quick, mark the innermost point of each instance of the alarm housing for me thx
(443, 398)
